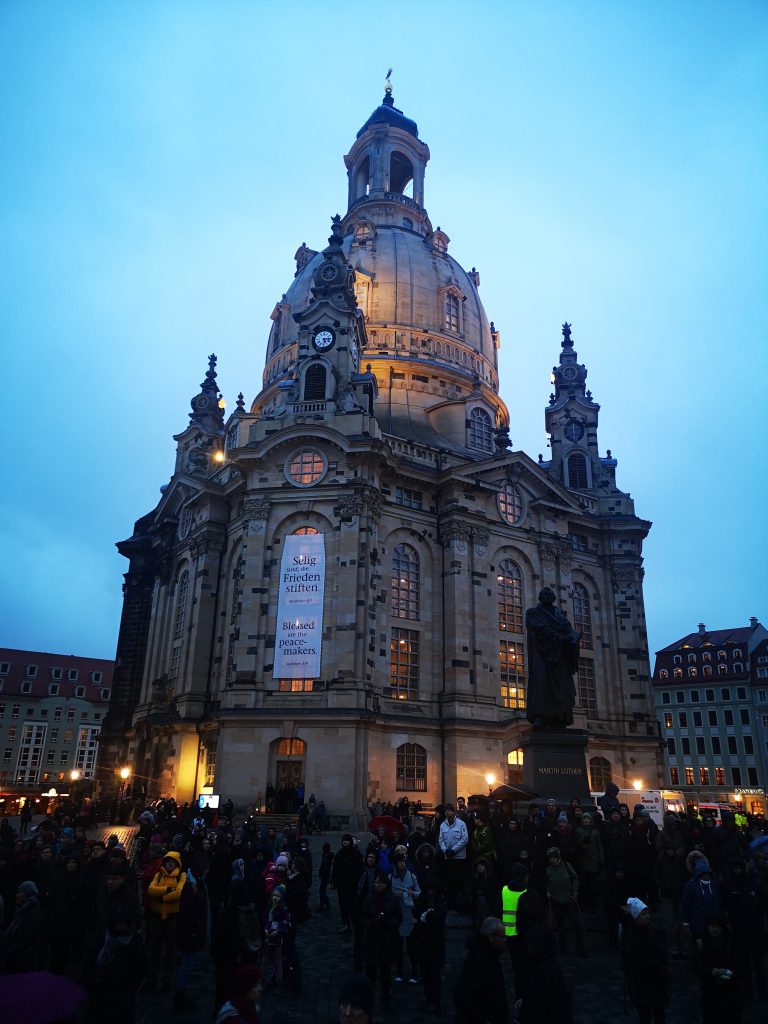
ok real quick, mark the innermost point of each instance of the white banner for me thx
(299, 631)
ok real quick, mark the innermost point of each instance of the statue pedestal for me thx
(555, 764)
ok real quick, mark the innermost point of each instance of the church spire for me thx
(208, 404)
(570, 376)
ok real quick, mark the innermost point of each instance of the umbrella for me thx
(758, 844)
(388, 823)
(38, 997)
(516, 792)
(483, 797)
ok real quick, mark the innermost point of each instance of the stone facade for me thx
(379, 426)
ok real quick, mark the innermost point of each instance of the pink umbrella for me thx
(38, 997)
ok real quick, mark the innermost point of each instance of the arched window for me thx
(452, 313)
(678, 673)
(577, 471)
(182, 593)
(663, 674)
(599, 774)
(237, 575)
(411, 768)
(512, 674)
(400, 172)
(509, 583)
(363, 178)
(738, 667)
(692, 672)
(405, 582)
(722, 670)
(290, 747)
(304, 531)
(480, 430)
(691, 659)
(677, 658)
(515, 767)
(314, 383)
(707, 670)
(582, 615)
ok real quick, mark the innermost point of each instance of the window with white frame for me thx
(30, 752)
(480, 430)
(411, 768)
(452, 313)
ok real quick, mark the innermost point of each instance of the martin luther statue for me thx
(553, 657)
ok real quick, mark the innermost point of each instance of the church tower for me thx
(331, 590)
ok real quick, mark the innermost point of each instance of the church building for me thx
(332, 587)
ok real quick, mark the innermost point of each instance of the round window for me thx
(306, 468)
(511, 504)
(185, 523)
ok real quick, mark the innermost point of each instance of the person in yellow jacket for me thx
(164, 896)
(521, 907)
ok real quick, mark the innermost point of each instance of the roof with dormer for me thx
(38, 669)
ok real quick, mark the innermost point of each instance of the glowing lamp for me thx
(218, 456)
(637, 784)
(125, 773)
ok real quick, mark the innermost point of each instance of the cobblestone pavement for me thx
(326, 957)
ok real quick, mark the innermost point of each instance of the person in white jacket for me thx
(453, 842)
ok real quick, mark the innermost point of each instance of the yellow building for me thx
(390, 659)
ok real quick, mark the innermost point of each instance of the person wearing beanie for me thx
(644, 960)
(24, 936)
(356, 1000)
(345, 871)
(243, 1005)
(563, 894)
(277, 925)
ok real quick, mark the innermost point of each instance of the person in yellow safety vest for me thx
(520, 908)
(740, 819)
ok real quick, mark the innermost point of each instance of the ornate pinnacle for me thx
(336, 237)
(567, 336)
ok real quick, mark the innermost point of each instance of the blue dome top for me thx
(388, 113)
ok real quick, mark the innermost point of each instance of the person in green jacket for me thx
(563, 897)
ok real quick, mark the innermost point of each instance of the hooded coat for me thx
(166, 887)
(701, 900)
(480, 995)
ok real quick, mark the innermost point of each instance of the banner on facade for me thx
(299, 631)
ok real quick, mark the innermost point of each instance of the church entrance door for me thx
(289, 776)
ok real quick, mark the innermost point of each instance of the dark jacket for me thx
(547, 999)
(380, 918)
(347, 866)
(193, 926)
(644, 960)
(24, 938)
(480, 996)
(701, 900)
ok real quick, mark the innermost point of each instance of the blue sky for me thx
(603, 163)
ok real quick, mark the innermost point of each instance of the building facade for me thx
(377, 452)
(52, 708)
(711, 694)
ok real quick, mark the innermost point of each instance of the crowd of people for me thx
(691, 889)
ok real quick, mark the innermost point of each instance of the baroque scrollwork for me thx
(256, 508)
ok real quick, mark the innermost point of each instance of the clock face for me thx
(201, 402)
(570, 373)
(329, 272)
(323, 339)
(574, 430)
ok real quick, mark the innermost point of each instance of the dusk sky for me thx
(603, 163)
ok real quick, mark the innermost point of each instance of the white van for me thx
(716, 811)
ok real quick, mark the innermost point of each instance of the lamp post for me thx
(490, 778)
(125, 774)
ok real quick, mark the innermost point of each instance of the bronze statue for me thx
(553, 658)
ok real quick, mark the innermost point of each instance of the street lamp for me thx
(74, 775)
(490, 778)
(125, 774)
(637, 784)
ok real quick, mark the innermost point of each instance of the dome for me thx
(388, 113)
(401, 284)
